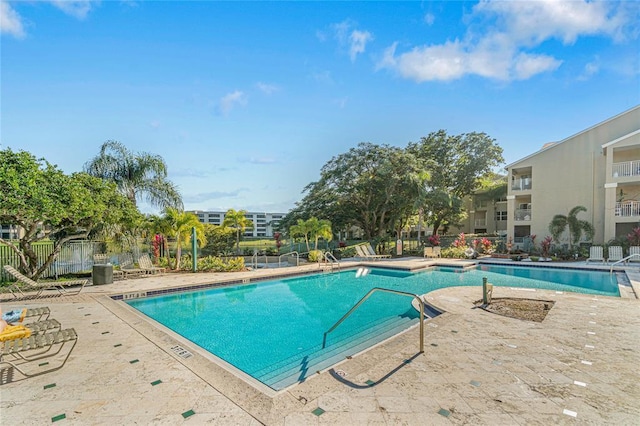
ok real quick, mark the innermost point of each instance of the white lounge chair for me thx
(144, 261)
(373, 253)
(615, 254)
(634, 250)
(596, 254)
(432, 251)
(363, 253)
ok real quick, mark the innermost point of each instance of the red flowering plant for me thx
(461, 241)
(276, 236)
(487, 245)
(546, 246)
(634, 237)
(434, 240)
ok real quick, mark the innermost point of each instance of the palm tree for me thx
(181, 224)
(238, 221)
(560, 223)
(319, 229)
(301, 229)
(139, 176)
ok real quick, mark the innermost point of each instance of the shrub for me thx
(315, 255)
(217, 264)
(454, 252)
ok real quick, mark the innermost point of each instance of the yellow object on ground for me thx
(11, 332)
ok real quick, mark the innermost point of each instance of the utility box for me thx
(102, 274)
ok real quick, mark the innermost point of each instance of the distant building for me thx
(263, 223)
(10, 232)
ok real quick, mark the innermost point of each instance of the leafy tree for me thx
(139, 176)
(160, 225)
(47, 204)
(456, 163)
(181, 224)
(367, 186)
(220, 239)
(238, 222)
(320, 229)
(576, 226)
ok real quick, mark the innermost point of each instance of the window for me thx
(501, 215)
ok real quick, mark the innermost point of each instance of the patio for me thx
(579, 364)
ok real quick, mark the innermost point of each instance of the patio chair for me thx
(595, 254)
(21, 351)
(432, 251)
(634, 250)
(363, 252)
(127, 267)
(29, 285)
(42, 314)
(144, 261)
(372, 252)
(615, 254)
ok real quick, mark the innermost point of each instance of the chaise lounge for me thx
(29, 285)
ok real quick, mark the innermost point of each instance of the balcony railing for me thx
(628, 208)
(521, 184)
(626, 168)
(480, 223)
(523, 214)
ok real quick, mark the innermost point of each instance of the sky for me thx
(246, 101)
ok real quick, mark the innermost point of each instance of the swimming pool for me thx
(273, 331)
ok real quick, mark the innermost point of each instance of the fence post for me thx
(487, 290)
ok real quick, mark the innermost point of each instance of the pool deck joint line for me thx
(58, 417)
(188, 413)
(49, 386)
(444, 413)
(318, 411)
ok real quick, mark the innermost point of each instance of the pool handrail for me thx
(623, 260)
(289, 254)
(330, 258)
(366, 296)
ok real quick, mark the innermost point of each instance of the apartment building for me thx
(598, 168)
(263, 223)
(486, 213)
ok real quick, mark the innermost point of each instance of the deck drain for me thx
(181, 352)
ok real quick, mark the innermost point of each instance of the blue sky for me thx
(247, 101)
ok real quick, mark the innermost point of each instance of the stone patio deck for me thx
(580, 365)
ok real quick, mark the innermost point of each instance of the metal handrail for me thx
(623, 260)
(289, 254)
(330, 258)
(254, 260)
(366, 296)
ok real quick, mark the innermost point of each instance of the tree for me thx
(319, 229)
(238, 221)
(301, 229)
(139, 176)
(366, 186)
(181, 225)
(47, 204)
(220, 239)
(576, 227)
(456, 163)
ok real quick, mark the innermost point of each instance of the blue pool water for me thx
(274, 330)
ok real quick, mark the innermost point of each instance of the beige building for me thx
(486, 213)
(598, 168)
(263, 223)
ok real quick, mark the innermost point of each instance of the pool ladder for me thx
(289, 254)
(366, 296)
(331, 259)
(635, 255)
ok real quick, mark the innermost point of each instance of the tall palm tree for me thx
(181, 224)
(577, 227)
(139, 176)
(319, 229)
(237, 221)
(301, 229)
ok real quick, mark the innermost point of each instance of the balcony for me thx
(521, 184)
(523, 215)
(628, 209)
(626, 168)
(480, 223)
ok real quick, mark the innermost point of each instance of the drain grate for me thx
(181, 352)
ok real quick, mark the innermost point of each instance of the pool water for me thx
(273, 331)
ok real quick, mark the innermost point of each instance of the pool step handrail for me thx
(636, 255)
(254, 260)
(289, 254)
(330, 258)
(366, 296)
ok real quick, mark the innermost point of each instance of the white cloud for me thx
(590, 69)
(10, 21)
(512, 31)
(77, 8)
(267, 88)
(355, 41)
(229, 101)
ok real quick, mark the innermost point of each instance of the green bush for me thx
(217, 264)
(315, 256)
(454, 252)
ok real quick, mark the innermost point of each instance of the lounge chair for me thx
(596, 254)
(21, 351)
(363, 252)
(432, 251)
(145, 263)
(127, 266)
(29, 285)
(615, 254)
(372, 252)
(634, 250)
